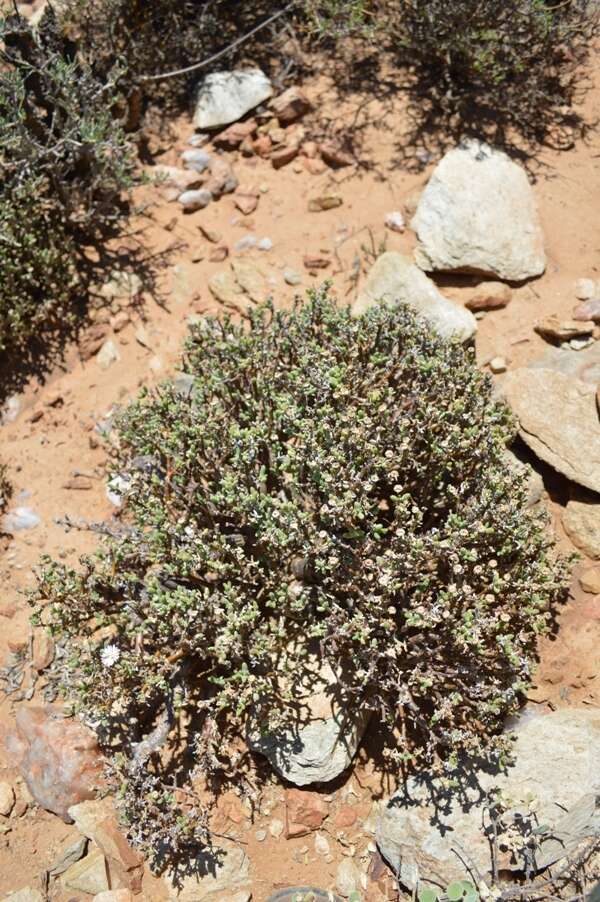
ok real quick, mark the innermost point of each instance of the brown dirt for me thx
(50, 443)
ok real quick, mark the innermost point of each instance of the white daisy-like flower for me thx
(109, 655)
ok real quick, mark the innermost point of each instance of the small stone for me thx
(292, 277)
(278, 136)
(498, 365)
(283, 156)
(198, 255)
(43, 651)
(198, 160)
(224, 288)
(219, 254)
(334, 156)
(315, 262)
(233, 136)
(580, 344)
(19, 519)
(590, 581)
(276, 828)
(324, 202)
(395, 221)
(585, 289)
(261, 835)
(210, 234)
(265, 244)
(222, 179)
(291, 105)
(244, 244)
(120, 321)
(246, 203)
(252, 278)
(305, 812)
(322, 846)
(563, 330)
(489, 296)
(107, 355)
(581, 521)
(347, 880)
(27, 894)
(90, 875)
(589, 310)
(172, 181)
(262, 146)
(195, 200)
(7, 799)
(346, 817)
(315, 167)
(96, 820)
(72, 853)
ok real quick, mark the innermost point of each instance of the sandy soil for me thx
(53, 439)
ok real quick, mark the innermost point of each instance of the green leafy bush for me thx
(64, 165)
(500, 66)
(313, 478)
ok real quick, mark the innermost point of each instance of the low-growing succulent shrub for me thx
(500, 66)
(64, 165)
(314, 478)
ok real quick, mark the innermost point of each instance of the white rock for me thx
(227, 878)
(292, 277)
(7, 799)
(498, 365)
(322, 846)
(107, 355)
(25, 895)
(395, 278)
(276, 828)
(347, 880)
(89, 875)
(395, 221)
(225, 97)
(557, 767)
(318, 738)
(196, 199)
(478, 214)
(18, 519)
(198, 160)
(585, 289)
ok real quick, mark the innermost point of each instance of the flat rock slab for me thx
(395, 279)
(582, 365)
(224, 97)
(558, 420)
(478, 214)
(557, 765)
(214, 880)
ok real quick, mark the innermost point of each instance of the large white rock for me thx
(225, 97)
(557, 767)
(319, 735)
(395, 278)
(478, 214)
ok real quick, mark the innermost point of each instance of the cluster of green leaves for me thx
(458, 891)
(312, 479)
(516, 64)
(64, 165)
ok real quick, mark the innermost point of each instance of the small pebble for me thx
(585, 289)
(7, 799)
(498, 365)
(265, 244)
(276, 828)
(19, 519)
(261, 835)
(197, 160)
(195, 200)
(244, 244)
(395, 221)
(292, 277)
(579, 344)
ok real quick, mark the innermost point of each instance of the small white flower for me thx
(109, 655)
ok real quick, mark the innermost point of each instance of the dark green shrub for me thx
(64, 165)
(500, 66)
(324, 478)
